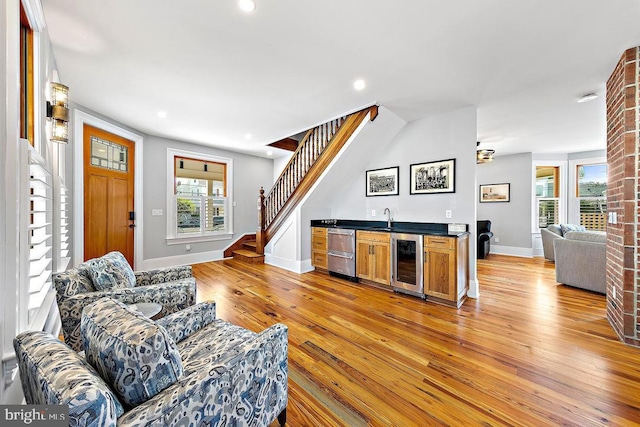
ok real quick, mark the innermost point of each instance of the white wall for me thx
(279, 164)
(438, 137)
(249, 173)
(339, 188)
(510, 221)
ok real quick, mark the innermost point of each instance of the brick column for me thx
(623, 238)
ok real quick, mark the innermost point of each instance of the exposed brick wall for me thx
(623, 238)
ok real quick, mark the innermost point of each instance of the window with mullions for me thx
(591, 191)
(547, 195)
(199, 204)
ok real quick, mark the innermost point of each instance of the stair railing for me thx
(276, 205)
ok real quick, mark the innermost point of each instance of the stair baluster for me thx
(309, 151)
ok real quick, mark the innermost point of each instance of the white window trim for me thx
(574, 204)
(562, 205)
(171, 237)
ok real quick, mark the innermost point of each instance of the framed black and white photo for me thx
(383, 182)
(491, 193)
(433, 177)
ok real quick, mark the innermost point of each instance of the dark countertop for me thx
(427, 228)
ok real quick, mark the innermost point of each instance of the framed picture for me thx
(383, 182)
(433, 177)
(491, 193)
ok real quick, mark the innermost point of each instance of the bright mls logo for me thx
(35, 415)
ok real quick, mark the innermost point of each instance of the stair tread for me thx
(247, 253)
(250, 243)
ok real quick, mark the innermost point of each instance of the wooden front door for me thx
(108, 193)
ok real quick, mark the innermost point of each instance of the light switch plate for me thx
(457, 228)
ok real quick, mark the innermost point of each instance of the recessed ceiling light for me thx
(247, 5)
(588, 97)
(247, 136)
(269, 153)
(359, 84)
(162, 114)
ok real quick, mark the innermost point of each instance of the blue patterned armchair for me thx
(187, 369)
(174, 288)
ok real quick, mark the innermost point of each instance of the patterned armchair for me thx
(205, 371)
(173, 288)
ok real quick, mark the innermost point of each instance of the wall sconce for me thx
(58, 112)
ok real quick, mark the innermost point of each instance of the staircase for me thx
(313, 155)
(248, 253)
(244, 249)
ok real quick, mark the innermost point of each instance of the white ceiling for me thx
(221, 74)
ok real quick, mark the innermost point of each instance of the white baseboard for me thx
(512, 251)
(186, 259)
(287, 264)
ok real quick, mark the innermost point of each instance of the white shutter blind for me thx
(40, 237)
(64, 205)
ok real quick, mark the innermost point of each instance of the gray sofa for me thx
(549, 234)
(580, 259)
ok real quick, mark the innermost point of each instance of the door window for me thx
(109, 155)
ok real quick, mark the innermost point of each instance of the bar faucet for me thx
(388, 213)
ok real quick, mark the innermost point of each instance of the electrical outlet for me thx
(188, 248)
(447, 213)
(497, 240)
(156, 212)
(373, 212)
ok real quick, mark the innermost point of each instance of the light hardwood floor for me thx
(527, 352)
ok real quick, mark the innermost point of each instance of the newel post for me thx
(260, 233)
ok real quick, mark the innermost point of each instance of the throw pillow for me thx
(132, 353)
(571, 227)
(74, 281)
(111, 271)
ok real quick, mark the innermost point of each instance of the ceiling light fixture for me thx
(247, 5)
(58, 112)
(484, 155)
(269, 153)
(162, 114)
(359, 84)
(588, 97)
(247, 136)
